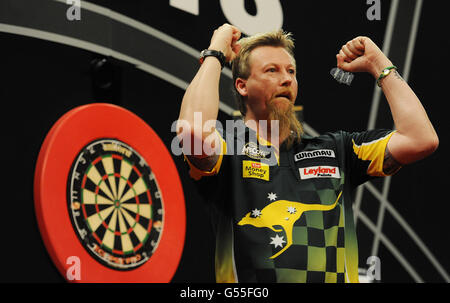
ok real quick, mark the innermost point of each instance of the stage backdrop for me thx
(141, 55)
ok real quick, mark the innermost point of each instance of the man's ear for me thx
(241, 86)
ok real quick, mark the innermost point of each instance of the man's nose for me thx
(286, 79)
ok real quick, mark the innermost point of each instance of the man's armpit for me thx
(390, 165)
(204, 164)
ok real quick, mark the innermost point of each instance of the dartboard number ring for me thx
(115, 204)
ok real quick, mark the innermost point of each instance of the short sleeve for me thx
(197, 173)
(365, 153)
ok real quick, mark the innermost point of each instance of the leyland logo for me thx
(319, 172)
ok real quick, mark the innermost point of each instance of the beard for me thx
(289, 127)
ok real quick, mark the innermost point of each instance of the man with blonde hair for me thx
(241, 70)
(281, 200)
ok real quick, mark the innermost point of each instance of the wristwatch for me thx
(210, 52)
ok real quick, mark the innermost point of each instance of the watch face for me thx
(202, 56)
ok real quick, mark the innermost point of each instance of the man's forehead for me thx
(264, 55)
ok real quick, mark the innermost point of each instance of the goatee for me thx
(289, 126)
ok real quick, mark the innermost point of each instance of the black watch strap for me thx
(210, 52)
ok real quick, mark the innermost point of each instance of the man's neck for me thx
(267, 130)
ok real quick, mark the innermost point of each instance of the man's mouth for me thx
(286, 95)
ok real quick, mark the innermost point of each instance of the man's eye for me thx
(292, 71)
(272, 70)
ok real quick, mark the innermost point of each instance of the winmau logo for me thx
(314, 154)
(319, 172)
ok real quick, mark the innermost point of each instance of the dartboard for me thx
(108, 198)
(115, 204)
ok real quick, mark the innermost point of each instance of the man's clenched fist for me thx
(362, 55)
(225, 40)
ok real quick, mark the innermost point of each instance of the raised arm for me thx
(201, 98)
(415, 137)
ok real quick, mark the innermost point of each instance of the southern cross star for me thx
(291, 210)
(272, 196)
(256, 213)
(277, 241)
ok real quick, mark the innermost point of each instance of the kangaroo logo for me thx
(283, 213)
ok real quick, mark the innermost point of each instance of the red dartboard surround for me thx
(108, 198)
